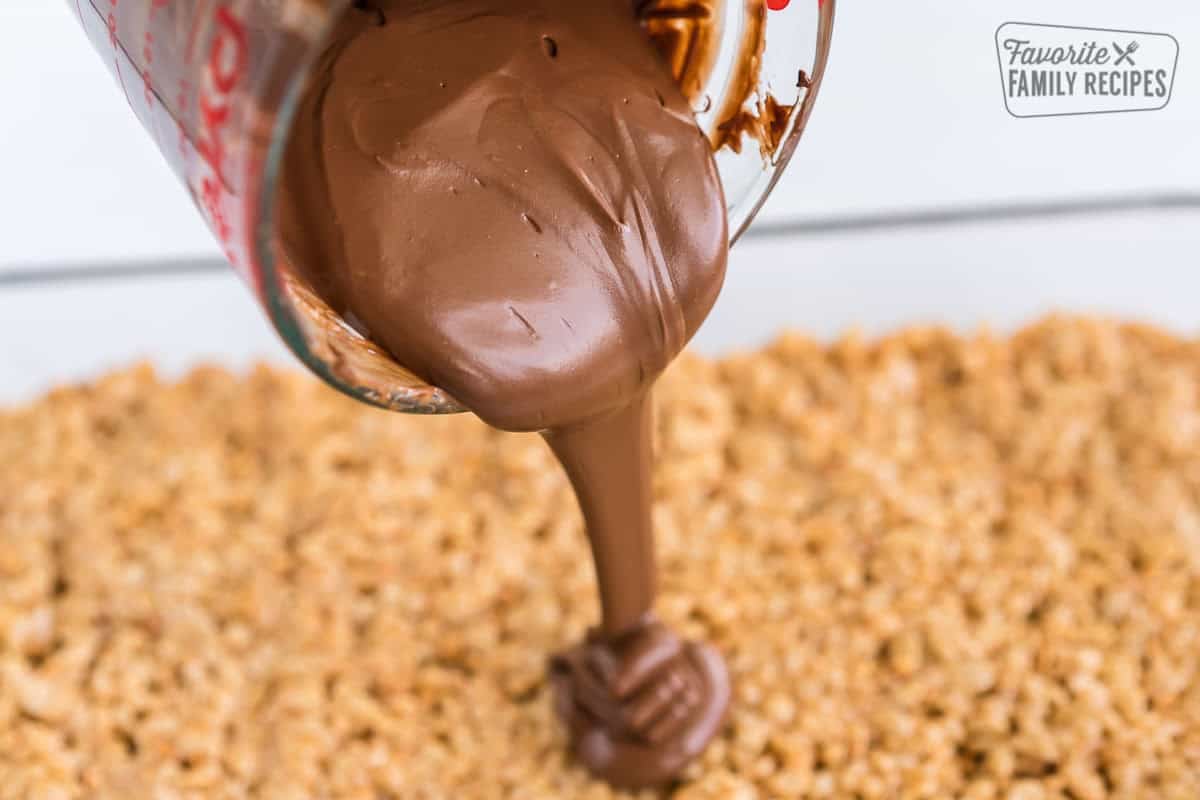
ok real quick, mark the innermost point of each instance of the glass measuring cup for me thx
(216, 84)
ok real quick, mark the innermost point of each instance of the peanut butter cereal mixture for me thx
(939, 567)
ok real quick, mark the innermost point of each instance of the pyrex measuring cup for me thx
(216, 83)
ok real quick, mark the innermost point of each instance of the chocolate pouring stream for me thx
(514, 199)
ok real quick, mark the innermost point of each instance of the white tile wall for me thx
(82, 182)
(911, 115)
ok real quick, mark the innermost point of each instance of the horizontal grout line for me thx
(999, 212)
(24, 277)
(115, 271)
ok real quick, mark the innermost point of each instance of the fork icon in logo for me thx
(1126, 55)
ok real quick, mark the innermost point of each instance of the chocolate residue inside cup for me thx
(688, 33)
(766, 125)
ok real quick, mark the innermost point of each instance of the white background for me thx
(911, 118)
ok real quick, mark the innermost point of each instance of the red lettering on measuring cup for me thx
(212, 145)
(228, 66)
(227, 60)
(148, 53)
(210, 201)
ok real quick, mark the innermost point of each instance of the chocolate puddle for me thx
(513, 198)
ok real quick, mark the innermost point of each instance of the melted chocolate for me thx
(512, 197)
